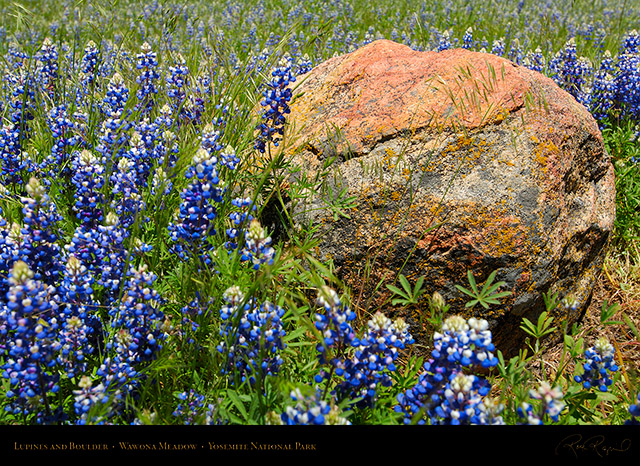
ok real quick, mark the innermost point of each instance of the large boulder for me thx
(455, 161)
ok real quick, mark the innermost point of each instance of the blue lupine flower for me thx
(535, 60)
(48, 68)
(210, 139)
(488, 412)
(78, 320)
(603, 90)
(112, 138)
(276, 102)
(516, 53)
(311, 410)
(89, 71)
(253, 337)
(550, 404)
(239, 219)
(126, 201)
(194, 411)
(161, 185)
(22, 100)
(444, 42)
(102, 251)
(498, 47)
(257, 249)
(303, 65)
(634, 410)
(88, 178)
(164, 120)
(460, 401)
(138, 320)
(631, 42)
(467, 39)
(176, 82)
(599, 363)
(13, 162)
(14, 246)
(228, 158)
(29, 343)
(166, 151)
(89, 62)
(195, 219)
(570, 71)
(439, 394)
(143, 150)
(63, 132)
(374, 359)
(17, 58)
(116, 96)
(86, 398)
(627, 77)
(41, 223)
(147, 63)
(337, 333)
(118, 380)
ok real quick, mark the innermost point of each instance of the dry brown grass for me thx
(619, 284)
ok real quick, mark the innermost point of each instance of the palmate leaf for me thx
(542, 328)
(397, 291)
(487, 295)
(407, 294)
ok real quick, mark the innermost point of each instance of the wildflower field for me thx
(147, 271)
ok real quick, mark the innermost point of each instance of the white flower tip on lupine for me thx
(233, 295)
(87, 158)
(20, 273)
(379, 321)
(136, 139)
(168, 136)
(73, 264)
(604, 347)
(546, 392)
(166, 110)
(455, 324)
(438, 300)
(116, 80)
(201, 156)
(256, 232)
(328, 297)
(85, 382)
(35, 189)
(479, 325)
(112, 219)
(400, 325)
(74, 322)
